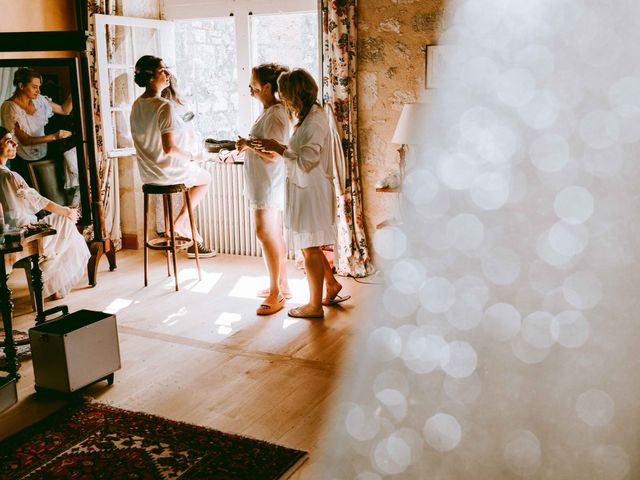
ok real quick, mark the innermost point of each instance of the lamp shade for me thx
(410, 127)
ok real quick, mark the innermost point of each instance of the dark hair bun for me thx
(146, 69)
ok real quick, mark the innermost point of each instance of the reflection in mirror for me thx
(37, 104)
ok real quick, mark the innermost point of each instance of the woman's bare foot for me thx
(54, 296)
(306, 311)
(265, 292)
(332, 293)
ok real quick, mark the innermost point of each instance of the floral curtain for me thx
(107, 169)
(339, 38)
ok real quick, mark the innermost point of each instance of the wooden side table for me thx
(395, 219)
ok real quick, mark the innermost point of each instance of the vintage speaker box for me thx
(75, 350)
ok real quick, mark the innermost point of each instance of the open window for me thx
(212, 48)
(120, 41)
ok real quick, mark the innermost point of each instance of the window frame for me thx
(241, 10)
(166, 46)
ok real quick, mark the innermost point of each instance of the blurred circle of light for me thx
(390, 243)
(547, 253)
(413, 439)
(568, 87)
(610, 462)
(624, 95)
(549, 152)
(522, 453)
(465, 231)
(399, 304)
(501, 321)
(466, 312)
(420, 187)
(541, 112)
(392, 456)
(526, 352)
(606, 162)
(457, 171)
(599, 129)
(574, 205)
(395, 402)
(385, 344)
(490, 191)
(595, 408)
(466, 390)
(568, 240)
(502, 144)
(442, 432)
(582, 290)
(570, 329)
(460, 361)
(536, 329)
(538, 60)
(407, 275)
(501, 266)
(361, 423)
(437, 294)
(515, 87)
(423, 351)
(544, 278)
(391, 379)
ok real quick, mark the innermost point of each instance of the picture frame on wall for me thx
(433, 66)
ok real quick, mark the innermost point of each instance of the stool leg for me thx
(146, 237)
(187, 199)
(165, 209)
(173, 241)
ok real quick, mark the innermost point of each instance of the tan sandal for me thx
(267, 309)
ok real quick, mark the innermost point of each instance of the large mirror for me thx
(57, 168)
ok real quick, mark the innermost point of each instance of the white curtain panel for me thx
(6, 83)
(505, 341)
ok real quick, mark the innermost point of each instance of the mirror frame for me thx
(77, 113)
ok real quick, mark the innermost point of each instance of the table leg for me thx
(36, 275)
(7, 310)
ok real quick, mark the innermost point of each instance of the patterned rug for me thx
(89, 440)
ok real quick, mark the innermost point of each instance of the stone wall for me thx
(392, 35)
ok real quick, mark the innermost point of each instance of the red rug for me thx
(94, 441)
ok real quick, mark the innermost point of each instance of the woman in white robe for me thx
(311, 201)
(65, 256)
(264, 176)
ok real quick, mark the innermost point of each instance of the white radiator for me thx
(224, 216)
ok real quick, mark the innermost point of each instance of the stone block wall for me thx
(392, 35)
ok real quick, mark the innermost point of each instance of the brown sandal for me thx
(299, 313)
(267, 309)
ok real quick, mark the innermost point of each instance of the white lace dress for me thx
(33, 124)
(65, 257)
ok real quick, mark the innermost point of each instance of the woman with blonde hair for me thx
(310, 204)
(264, 175)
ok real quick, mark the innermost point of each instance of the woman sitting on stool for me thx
(159, 136)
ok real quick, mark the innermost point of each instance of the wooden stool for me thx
(168, 243)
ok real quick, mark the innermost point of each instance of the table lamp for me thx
(410, 129)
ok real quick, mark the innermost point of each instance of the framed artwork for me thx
(433, 66)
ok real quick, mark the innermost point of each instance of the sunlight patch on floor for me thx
(188, 279)
(225, 322)
(175, 317)
(248, 287)
(117, 305)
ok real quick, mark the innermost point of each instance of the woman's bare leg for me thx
(315, 276)
(269, 233)
(332, 285)
(196, 194)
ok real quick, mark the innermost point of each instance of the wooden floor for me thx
(202, 356)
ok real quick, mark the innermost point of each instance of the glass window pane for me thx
(145, 42)
(207, 77)
(120, 87)
(288, 39)
(119, 45)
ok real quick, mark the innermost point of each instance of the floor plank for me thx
(202, 356)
